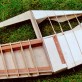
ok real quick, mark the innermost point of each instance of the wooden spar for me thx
(35, 25)
(47, 56)
(51, 24)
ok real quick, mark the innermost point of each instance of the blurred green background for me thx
(23, 31)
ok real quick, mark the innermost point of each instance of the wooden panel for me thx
(66, 51)
(40, 57)
(9, 60)
(53, 55)
(78, 34)
(28, 58)
(19, 59)
(59, 49)
(77, 56)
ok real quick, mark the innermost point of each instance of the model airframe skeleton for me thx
(44, 55)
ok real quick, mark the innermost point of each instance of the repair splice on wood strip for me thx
(44, 55)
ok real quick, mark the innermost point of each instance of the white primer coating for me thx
(53, 55)
(74, 48)
(38, 14)
(78, 34)
(66, 51)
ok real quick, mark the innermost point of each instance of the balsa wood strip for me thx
(62, 18)
(4, 61)
(40, 57)
(35, 25)
(64, 43)
(9, 60)
(24, 59)
(3, 73)
(75, 42)
(66, 51)
(78, 34)
(73, 30)
(59, 49)
(14, 60)
(44, 69)
(74, 48)
(47, 56)
(13, 72)
(20, 18)
(76, 16)
(39, 14)
(19, 59)
(33, 58)
(54, 55)
(34, 43)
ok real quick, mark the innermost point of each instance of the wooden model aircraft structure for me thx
(44, 55)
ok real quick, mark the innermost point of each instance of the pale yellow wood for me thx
(4, 63)
(40, 57)
(24, 59)
(33, 57)
(14, 59)
(63, 19)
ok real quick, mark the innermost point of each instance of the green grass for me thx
(17, 32)
(24, 31)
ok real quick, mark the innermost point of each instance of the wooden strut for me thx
(57, 43)
(24, 59)
(32, 56)
(34, 23)
(64, 36)
(47, 57)
(45, 49)
(77, 20)
(72, 31)
(35, 70)
(35, 26)
(4, 63)
(14, 59)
